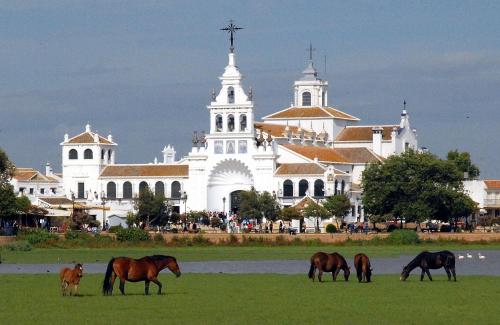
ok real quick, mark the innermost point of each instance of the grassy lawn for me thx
(216, 299)
(95, 255)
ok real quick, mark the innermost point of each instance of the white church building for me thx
(309, 149)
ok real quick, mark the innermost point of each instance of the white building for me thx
(308, 149)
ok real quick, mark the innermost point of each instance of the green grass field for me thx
(209, 253)
(254, 299)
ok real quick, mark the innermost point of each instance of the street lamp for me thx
(103, 202)
(224, 205)
(184, 200)
(73, 201)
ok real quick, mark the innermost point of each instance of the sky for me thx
(144, 70)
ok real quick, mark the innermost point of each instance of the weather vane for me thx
(231, 29)
(310, 50)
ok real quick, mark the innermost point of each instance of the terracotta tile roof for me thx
(492, 184)
(337, 155)
(304, 202)
(276, 130)
(363, 133)
(88, 137)
(60, 201)
(144, 170)
(31, 175)
(300, 169)
(311, 112)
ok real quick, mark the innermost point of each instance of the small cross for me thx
(310, 50)
(404, 103)
(231, 29)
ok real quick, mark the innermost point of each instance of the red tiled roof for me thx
(144, 170)
(363, 133)
(88, 137)
(300, 169)
(335, 155)
(492, 184)
(311, 112)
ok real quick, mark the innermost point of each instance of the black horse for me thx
(427, 260)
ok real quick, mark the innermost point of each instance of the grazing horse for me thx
(363, 267)
(328, 263)
(427, 260)
(144, 269)
(70, 278)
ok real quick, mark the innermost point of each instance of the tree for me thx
(314, 210)
(338, 205)
(7, 196)
(412, 186)
(464, 164)
(256, 205)
(150, 208)
(290, 213)
(268, 206)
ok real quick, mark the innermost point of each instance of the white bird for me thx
(481, 257)
(460, 257)
(469, 255)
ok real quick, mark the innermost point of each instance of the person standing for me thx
(271, 227)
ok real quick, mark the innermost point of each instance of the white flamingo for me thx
(469, 255)
(481, 257)
(460, 257)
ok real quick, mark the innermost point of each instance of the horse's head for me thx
(173, 266)
(79, 270)
(405, 273)
(347, 272)
(369, 274)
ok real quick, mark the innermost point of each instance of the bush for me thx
(391, 228)
(132, 234)
(199, 240)
(19, 246)
(77, 235)
(175, 231)
(114, 229)
(331, 228)
(36, 236)
(445, 228)
(158, 238)
(403, 237)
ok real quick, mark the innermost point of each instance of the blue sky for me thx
(144, 70)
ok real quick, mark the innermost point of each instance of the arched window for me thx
(306, 98)
(109, 155)
(127, 190)
(342, 187)
(103, 154)
(230, 122)
(160, 189)
(87, 154)
(243, 122)
(230, 95)
(73, 154)
(303, 186)
(318, 188)
(111, 190)
(175, 190)
(336, 187)
(287, 188)
(323, 99)
(218, 123)
(143, 186)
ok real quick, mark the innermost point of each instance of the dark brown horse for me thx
(427, 260)
(324, 262)
(363, 267)
(143, 269)
(70, 278)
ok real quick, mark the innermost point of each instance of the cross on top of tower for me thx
(310, 50)
(231, 29)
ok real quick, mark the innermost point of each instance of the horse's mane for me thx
(160, 257)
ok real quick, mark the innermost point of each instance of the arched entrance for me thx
(235, 199)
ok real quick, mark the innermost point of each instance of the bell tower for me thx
(310, 90)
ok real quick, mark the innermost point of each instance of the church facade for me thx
(309, 149)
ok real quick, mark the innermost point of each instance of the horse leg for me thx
(335, 274)
(122, 286)
(428, 274)
(454, 275)
(146, 287)
(158, 283)
(112, 281)
(448, 273)
(422, 275)
(320, 274)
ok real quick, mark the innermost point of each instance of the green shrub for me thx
(19, 246)
(36, 236)
(403, 237)
(180, 241)
(132, 234)
(199, 240)
(114, 229)
(175, 231)
(331, 228)
(77, 235)
(158, 238)
(445, 228)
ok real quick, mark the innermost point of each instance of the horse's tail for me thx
(107, 286)
(311, 270)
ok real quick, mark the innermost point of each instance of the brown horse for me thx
(328, 263)
(143, 269)
(363, 267)
(70, 278)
